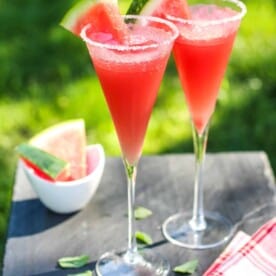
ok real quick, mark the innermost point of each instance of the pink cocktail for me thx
(130, 75)
(201, 55)
(130, 80)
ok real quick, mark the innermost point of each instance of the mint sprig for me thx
(141, 212)
(85, 273)
(73, 262)
(187, 268)
(143, 238)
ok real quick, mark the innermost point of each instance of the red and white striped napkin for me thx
(247, 255)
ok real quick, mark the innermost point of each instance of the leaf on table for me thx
(187, 268)
(85, 273)
(73, 262)
(141, 213)
(142, 237)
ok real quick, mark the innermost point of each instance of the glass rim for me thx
(203, 23)
(121, 47)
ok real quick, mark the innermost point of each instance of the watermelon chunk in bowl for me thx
(67, 141)
(65, 197)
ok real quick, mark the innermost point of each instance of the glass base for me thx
(178, 231)
(144, 263)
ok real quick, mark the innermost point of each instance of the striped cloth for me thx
(247, 255)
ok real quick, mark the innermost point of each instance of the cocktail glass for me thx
(201, 53)
(130, 76)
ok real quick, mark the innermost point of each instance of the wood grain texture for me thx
(240, 186)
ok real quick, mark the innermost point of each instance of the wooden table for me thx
(240, 186)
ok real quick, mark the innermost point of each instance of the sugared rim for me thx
(236, 17)
(173, 28)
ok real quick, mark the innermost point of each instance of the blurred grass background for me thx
(46, 77)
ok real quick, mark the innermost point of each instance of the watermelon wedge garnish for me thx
(160, 8)
(66, 141)
(44, 164)
(103, 16)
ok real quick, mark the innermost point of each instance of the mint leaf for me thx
(187, 268)
(73, 262)
(142, 237)
(142, 213)
(85, 273)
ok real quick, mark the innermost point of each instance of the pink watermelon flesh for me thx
(93, 158)
(176, 8)
(103, 17)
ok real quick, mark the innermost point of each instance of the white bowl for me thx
(69, 196)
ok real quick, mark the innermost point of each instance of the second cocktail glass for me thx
(130, 76)
(201, 54)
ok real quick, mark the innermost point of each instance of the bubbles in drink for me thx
(151, 36)
(211, 12)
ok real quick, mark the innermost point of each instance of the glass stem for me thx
(131, 179)
(198, 222)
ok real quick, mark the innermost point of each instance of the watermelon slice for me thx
(103, 16)
(44, 164)
(159, 8)
(66, 141)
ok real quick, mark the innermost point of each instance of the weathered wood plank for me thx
(240, 186)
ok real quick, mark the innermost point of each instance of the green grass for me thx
(46, 77)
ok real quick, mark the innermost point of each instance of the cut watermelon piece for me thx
(160, 8)
(94, 156)
(66, 141)
(44, 164)
(103, 16)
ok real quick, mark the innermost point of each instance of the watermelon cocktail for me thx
(201, 54)
(130, 74)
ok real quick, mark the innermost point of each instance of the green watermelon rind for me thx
(143, 7)
(136, 7)
(48, 163)
(73, 14)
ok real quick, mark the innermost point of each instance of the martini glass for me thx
(201, 53)
(130, 75)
